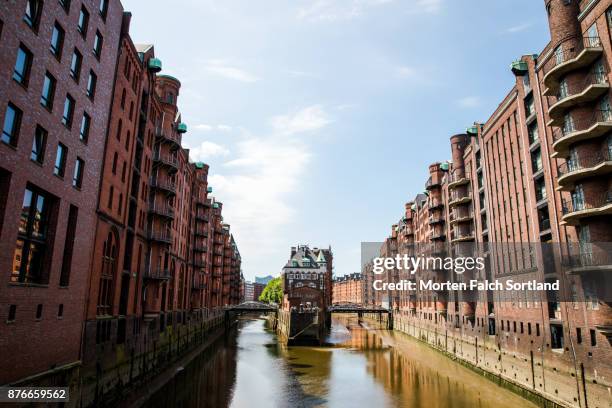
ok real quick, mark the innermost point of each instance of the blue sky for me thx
(319, 118)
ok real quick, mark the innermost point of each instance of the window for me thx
(39, 309)
(115, 158)
(23, 63)
(57, 40)
(60, 311)
(68, 114)
(12, 313)
(578, 335)
(32, 13)
(97, 47)
(60, 160)
(75, 65)
(536, 160)
(593, 337)
(85, 125)
(48, 91)
(65, 5)
(83, 21)
(38, 145)
(533, 133)
(563, 89)
(77, 177)
(107, 276)
(103, 8)
(29, 264)
(91, 84)
(578, 198)
(68, 247)
(12, 124)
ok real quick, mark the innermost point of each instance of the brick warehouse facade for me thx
(120, 246)
(537, 171)
(348, 289)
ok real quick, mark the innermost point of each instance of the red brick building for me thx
(537, 171)
(348, 289)
(111, 241)
(58, 58)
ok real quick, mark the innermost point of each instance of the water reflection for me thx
(358, 367)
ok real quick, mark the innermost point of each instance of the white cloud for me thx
(469, 102)
(517, 28)
(260, 181)
(221, 68)
(307, 119)
(208, 128)
(206, 150)
(338, 10)
(427, 6)
(404, 72)
(203, 127)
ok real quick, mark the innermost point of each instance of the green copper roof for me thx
(182, 127)
(472, 130)
(519, 67)
(444, 166)
(216, 205)
(155, 64)
(199, 165)
(209, 189)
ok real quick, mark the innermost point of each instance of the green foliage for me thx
(273, 292)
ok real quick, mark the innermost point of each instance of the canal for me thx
(361, 367)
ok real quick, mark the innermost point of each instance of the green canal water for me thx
(361, 367)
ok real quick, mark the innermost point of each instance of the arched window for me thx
(107, 275)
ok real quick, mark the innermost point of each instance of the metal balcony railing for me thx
(157, 273)
(575, 88)
(568, 50)
(161, 210)
(159, 236)
(573, 126)
(580, 204)
(166, 159)
(585, 161)
(159, 183)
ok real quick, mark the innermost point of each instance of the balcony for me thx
(463, 237)
(162, 211)
(588, 259)
(457, 180)
(199, 247)
(166, 160)
(459, 198)
(167, 137)
(576, 131)
(432, 183)
(157, 273)
(595, 85)
(201, 216)
(460, 215)
(199, 263)
(570, 58)
(435, 203)
(166, 186)
(436, 219)
(201, 232)
(159, 236)
(437, 235)
(408, 231)
(575, 210)
(593, 165)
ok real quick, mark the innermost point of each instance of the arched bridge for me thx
(356, 308)
(252, 307)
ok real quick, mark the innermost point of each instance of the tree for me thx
(273, 292)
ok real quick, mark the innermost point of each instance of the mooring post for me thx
(390, 321)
